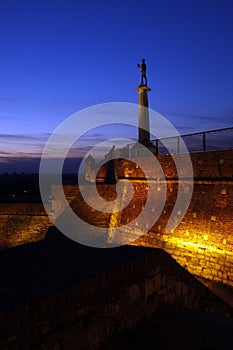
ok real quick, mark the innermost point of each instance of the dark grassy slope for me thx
(33, 271)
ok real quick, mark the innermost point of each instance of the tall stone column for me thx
(143, 115)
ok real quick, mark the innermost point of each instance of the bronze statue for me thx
(142, 67)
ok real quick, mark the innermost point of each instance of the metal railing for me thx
(213, 140)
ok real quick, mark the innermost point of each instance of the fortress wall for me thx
(208, 219)
(22, 229)
(22, 223)
(58, 205)
(74, 197)
(215, 164)
(22, 208)
(203, 241)
(99, 309)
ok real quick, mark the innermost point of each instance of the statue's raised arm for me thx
(142, 67)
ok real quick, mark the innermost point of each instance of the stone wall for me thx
(58, 205)
(97, 311)
(22, 223)
(203, 241)
(28, 208)
(215, 164)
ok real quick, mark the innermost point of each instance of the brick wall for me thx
(216, 164)
(22, 223)
(203, 241)
(22, 229)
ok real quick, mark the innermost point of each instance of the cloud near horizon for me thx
(31, 146)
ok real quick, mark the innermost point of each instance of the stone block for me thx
(134, 292)
(157, 282)
(162, 291)
(178, 288)
(149, 288)
(164, 281)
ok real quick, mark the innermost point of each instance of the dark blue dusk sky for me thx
(59, 56)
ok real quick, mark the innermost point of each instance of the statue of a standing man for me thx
(142, 67)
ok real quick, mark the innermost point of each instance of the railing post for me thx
(178, 144)
(204, 142)
(156, 147)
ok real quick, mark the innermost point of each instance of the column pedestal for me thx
(143, 122)
(143, 115)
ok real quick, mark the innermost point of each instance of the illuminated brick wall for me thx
(216, 164)
(22, 223)
(203, 241)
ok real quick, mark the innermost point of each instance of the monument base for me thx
(143, 114)
(143, 89)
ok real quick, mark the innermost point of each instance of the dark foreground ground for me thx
(177, 329)
(34, 271)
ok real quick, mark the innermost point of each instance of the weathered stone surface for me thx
(134, 292)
